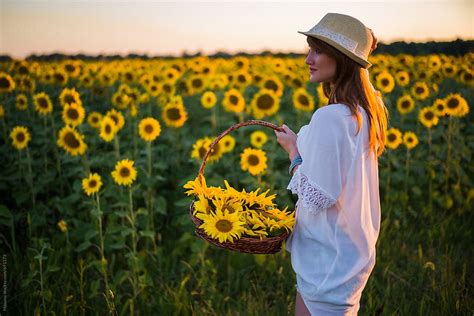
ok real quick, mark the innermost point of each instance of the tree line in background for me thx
(457, 47)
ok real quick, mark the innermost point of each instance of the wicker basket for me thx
(244, 244)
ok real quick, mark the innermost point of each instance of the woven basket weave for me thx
(244, 244)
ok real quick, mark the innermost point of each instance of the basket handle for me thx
(230, 129)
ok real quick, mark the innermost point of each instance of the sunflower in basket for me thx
(228, 215)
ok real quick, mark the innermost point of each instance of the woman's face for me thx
(322, 67)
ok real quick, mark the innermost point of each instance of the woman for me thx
(335, 173)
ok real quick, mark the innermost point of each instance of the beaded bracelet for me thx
(295, 162)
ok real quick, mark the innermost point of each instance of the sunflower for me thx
(405, 104)
(302, 100)
(2, 111)
(265, 103)
(258, 139)
(69, 96)
(216, 152)
(228, 143)
(420, 90)
(62, 225)
(253, 161)
(393, 138)
(174, 115)
(124, 173)
(149, 129)
(223, 226)
(242, 79)
(73, 114)
(208, 99)
(428, 117)
(402, 78)
(322, 98)
(42, 103)
(385, 82)
(200, 148)
(410, 140)
(233, 101)
(197, 83)
(118, 118)
(7, 84)
(274, 84)
(94, 119)
(92, 184)
(456, 105)
(20, 137)
(439, 106)
(108, 129)
(21, 102)
(449, 70)
(71, 141)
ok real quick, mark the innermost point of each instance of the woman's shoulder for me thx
(337, 112)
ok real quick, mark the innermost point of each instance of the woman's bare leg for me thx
(300, 307)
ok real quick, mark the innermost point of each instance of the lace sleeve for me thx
(310, 195)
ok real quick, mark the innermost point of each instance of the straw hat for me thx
(346, 34)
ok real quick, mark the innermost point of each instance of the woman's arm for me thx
(287, 140)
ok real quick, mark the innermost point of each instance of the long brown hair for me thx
(352, 87)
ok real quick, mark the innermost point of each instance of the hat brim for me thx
(362, 62)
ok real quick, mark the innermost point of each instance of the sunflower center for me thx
(148, 129)
(108, 129)
(215, 150)
(92, 183)
(42, 103)
(270, 84)
(197, 83)
(202, 152)
(405, 104)
(73, 114)
(173, 114)
(385, 82)
(4, 82)
(20, 137)
(224, 226)
(233, 99)
(167, 88)
(303, 100)
(391, 137)
(71, 140)
(241, 78)
(453, 103)
(69, 99)
(124, 172)
(419, 90)
(265, 102)
(69, 68)
(429, 115)
(253, 160)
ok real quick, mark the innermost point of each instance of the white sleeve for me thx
(325, 149)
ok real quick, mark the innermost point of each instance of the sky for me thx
(173, 27)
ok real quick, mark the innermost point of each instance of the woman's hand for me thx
(287, 140)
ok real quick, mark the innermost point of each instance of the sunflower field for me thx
(96, 157)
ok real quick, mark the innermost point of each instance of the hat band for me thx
(342, 40)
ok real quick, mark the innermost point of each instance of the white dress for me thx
(333, 242)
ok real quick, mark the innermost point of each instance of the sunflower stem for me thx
(117, 147)
(134, 133)
(86, 164)
(448, 157)
(430, 170)
(150, 194)
(387, 183)
(407, 174)
(56, 153)
(45, 154)
(4, 128)
(134, 251)
(103, 261)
